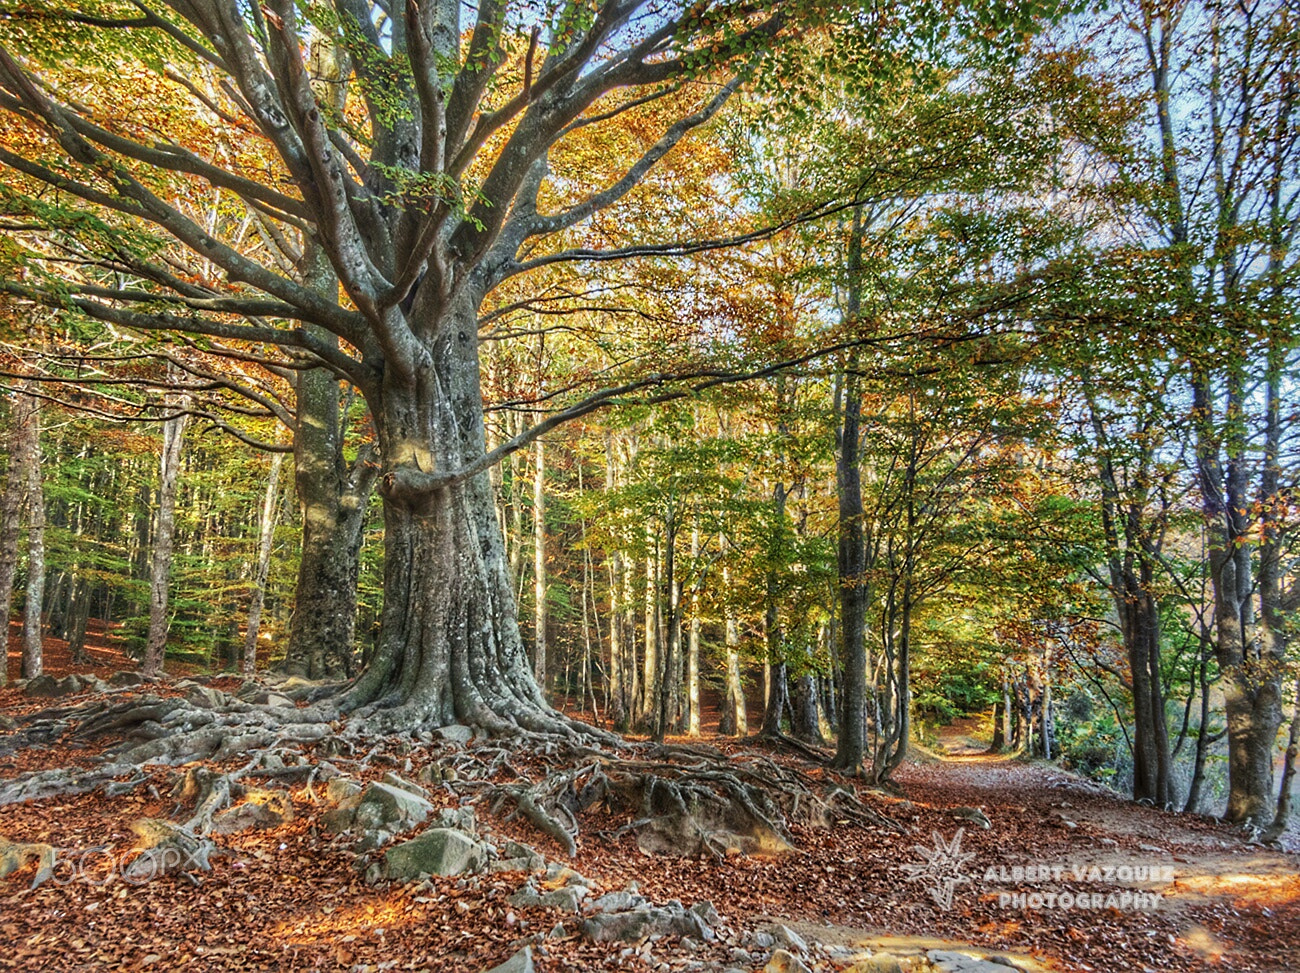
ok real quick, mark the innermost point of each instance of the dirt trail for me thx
(1219, 888)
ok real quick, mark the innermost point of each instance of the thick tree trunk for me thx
(265, 537)
(163, 540)
(449, 644)
(333, 497)
(805, 720)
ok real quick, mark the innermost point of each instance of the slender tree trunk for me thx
(80, 619)
(1283, 816)
(735, 718)
(693, 644)
(1202, 731)
(620, 704)
(669, 684)
(265, 540)
(539, 564)
(24, 442)
(163, 543)
(1007, 713)
(851, 746)
(33, 657)
(777, 689)
(1251, 681)
(651, 675)
(516, 510)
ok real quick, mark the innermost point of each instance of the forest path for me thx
(1203, 868)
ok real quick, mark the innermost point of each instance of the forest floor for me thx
(292, 899)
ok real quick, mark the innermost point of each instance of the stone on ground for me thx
(439, 851)
(784, 961)
(948, 961)
(636, 924)
(566, 899)
(521, 962)
(14, 855)
(260, 810)
(880, 963)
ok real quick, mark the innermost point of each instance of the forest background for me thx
(846, 380)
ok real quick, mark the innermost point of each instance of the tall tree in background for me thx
(23, 445)
(1212, 169)
(164, 535)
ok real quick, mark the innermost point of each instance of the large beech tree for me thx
(425, 190)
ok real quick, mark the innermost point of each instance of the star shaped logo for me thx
(942, 868)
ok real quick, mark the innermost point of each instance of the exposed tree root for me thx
(679, 799)
(170, 731)
(684, 800)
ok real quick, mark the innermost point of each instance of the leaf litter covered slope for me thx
(291, 898)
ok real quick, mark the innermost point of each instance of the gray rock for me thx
(439, 851)
(564, 875)
(6, 723)
(391, 808)
(787, 938)
(784, 961)
(339, 789)
(460, 818)
(636, 924)
(521, 962)
(948, 961)
(975, 815)
(455, 733)
(378, 812)
(205, 697)
(704, 909)
(393, 780)
(121, 680)
(516, 850)
(618, 902)
(880, 963)
(566, 899)
(50, 688)
(761, 939)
